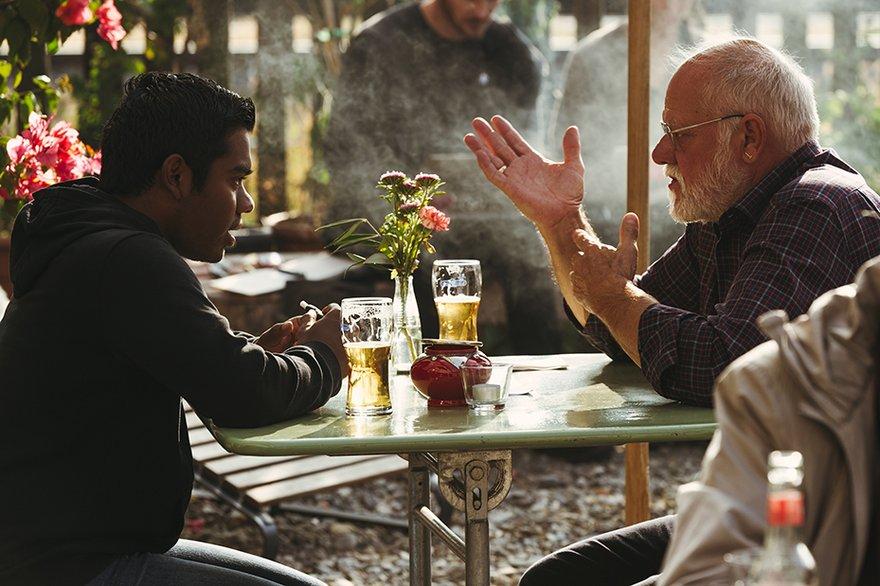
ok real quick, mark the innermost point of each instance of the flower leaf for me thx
(341, 223)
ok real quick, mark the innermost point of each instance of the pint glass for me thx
(457, 286)
(366, 334)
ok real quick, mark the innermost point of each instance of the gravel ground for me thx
(553, 502)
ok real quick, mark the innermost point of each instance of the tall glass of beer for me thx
(457, 286)
(366, 334)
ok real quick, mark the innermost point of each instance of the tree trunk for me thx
(209, 28)
(274, 65)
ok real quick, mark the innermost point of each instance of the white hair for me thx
(748, 76)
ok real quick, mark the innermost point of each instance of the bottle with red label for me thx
(785, 559)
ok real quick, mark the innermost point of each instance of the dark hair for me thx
(162, 114)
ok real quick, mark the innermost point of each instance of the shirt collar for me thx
(752, 204)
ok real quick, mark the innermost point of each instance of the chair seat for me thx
(257, 483)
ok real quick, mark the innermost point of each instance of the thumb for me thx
(629, 230)
(571, 146)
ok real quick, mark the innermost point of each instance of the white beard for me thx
(711, 193)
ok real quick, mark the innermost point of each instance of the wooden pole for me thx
(639, 88)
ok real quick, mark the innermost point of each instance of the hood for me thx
(59, 216)
(831, 349)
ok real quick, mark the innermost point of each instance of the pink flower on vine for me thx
(433, 219)
(42, 156)
(75, 12)
(110, 24)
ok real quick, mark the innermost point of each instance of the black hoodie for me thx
(107, 330)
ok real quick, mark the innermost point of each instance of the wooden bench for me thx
(258, 485)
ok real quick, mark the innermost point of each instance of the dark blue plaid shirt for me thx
(801, 231)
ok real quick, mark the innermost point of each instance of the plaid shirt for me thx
(798, 233)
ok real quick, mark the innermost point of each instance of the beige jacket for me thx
(812, 389)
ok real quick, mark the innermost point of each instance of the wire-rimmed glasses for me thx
(671, 133)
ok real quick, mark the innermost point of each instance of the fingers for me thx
(484, 161)
(571, 146)
(497, 145)
(511, 136)
(331, 307)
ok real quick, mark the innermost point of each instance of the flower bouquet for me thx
(404, 233)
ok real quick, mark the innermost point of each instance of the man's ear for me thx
(176, 177)
(754, 137)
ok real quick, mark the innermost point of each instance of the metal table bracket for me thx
(472, 482)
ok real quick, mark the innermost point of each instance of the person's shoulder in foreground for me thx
(812, 388)
(108, 328)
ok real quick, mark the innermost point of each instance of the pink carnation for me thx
(110, 26)
(74, 12)
(433, 219)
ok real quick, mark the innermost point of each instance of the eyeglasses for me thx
(671, 133)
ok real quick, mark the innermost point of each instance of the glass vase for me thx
(406, 341)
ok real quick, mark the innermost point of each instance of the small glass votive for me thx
(485, 387)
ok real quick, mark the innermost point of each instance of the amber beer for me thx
(458, 316)
(368, 392)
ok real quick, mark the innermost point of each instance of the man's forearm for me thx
(562, 248)
(622, 314)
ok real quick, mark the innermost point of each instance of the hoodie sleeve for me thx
(157, 317)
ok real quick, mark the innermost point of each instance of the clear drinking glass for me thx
(366, 335)
(485, 387)
(457, 287)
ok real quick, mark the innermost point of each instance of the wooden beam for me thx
(638, 101)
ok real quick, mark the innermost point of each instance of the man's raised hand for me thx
(544, 191)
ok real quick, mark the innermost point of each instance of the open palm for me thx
(544, 191)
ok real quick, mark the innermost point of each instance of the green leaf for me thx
(43, 82)
(340, 223)
(377, 258)
(356, 257)
(5, 69)
(356, 240)
(53, 45)
(35, 13)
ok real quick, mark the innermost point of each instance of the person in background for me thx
(773, 220)
(593, 98)
(109, 329)
(412, 79)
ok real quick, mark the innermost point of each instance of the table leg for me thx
(475, 482)
(638, 507)
(419, 534)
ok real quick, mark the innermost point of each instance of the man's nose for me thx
(482, 9)
(245, 202)
(664, 151)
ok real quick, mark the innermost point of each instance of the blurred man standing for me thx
(412, 79)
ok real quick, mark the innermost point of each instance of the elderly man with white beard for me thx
(773, 220)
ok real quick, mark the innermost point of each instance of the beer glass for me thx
(457, 286)
(366, 335)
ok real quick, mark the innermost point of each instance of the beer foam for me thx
(457, 299)
(367, 344)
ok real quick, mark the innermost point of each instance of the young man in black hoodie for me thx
(108, 328)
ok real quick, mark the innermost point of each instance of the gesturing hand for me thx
(599, 272)
(544, 191)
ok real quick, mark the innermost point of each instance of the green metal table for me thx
(592, 402)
